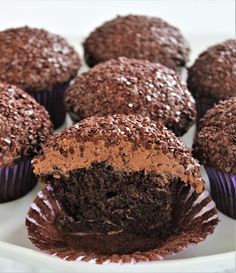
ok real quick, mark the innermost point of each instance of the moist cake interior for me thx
(113, 205)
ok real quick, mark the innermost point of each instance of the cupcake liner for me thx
(196, 217)
(202, 105)
(201, 110)
(223, 191)
(53, 101)
(16, 180)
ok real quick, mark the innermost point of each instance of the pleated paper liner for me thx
(16, 180)
(196, 219)
(223, 191)
(53, 101)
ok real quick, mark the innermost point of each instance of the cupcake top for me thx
(24, 124)
(35, 59)
(138, 37)
(215, 143)
(128, 86)
(213, 75)
(127, 143)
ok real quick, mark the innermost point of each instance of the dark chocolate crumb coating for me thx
(127, 143)
(24, 124)
(35, 59)
(138, 37)
(213, 75)
(129, 86)
(215, 143)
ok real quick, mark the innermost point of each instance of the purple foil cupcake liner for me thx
(196, 219)
(202, 105)
(53, 101)
(16, 180)
(201, 110)
(223, 191)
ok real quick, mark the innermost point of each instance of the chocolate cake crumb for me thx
(102, 200)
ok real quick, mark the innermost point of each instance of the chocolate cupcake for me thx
(213, 76)
(117, 188)
(215, 147)
(128, 86)
(40, 63)
(138, 37)
(25, 125)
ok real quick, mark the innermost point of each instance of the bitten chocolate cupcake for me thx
(117, 188)
(213, 76)
(215, 147)
(128, 86)
(25, 125)
(40, 63)
(138, 37)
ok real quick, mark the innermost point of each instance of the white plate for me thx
(215, 254)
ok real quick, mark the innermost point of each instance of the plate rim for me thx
(7, 249)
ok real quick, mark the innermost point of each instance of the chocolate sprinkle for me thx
(138, 37)
(128, 86)
(138, 130)
(213, 74)
(35, 59)
(24, 124)
(215, 143)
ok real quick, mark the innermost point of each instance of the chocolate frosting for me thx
(138, 37)
(129, 86)
(24, 124)
(35, 59)
(215, 143)
(213, 75)
(128, 143)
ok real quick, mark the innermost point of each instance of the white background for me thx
(203, 23)
(75, 17)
